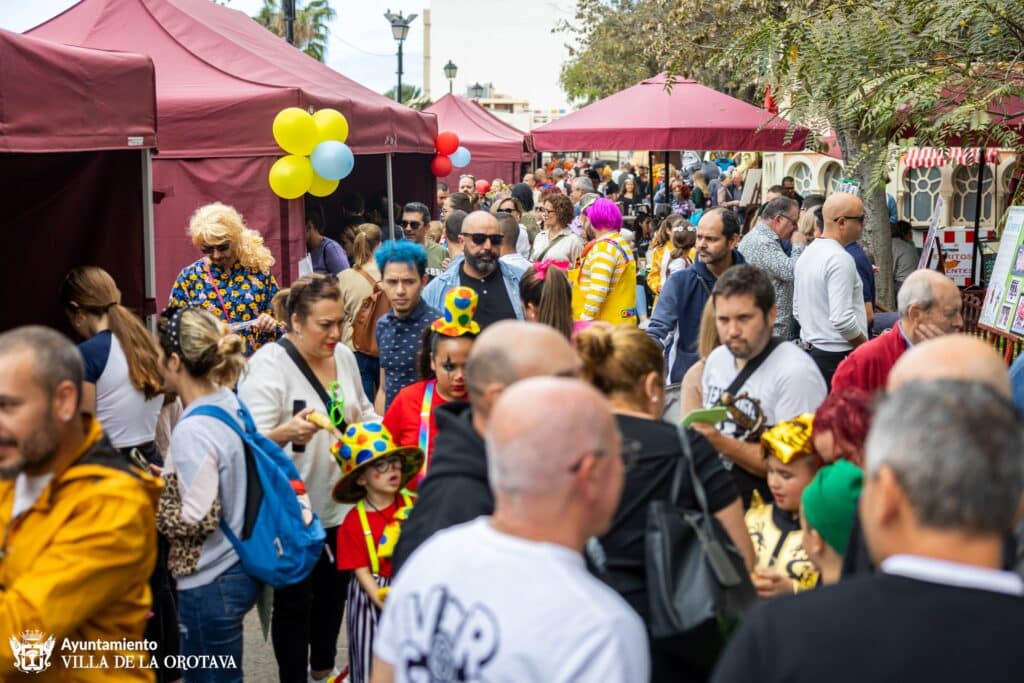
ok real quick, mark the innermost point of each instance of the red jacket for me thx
(869, 365)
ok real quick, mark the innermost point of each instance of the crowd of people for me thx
(486, 424)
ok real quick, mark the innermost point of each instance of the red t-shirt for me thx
(403, 418)
(352, 550)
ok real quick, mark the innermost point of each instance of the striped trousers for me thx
(362, 625)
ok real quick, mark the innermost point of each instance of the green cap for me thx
(830, 502)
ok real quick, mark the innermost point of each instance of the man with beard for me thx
(80, 543)
(479, 268)
(785, 381)
(684, 294)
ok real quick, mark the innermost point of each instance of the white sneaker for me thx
(334, 672)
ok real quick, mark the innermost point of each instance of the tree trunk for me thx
(877, 233)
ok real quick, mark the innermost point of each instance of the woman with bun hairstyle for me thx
(356, 284)
(204, 483)
(123, 382)
(547, 295)
(232, 279)
(309, 371)
(628, 367)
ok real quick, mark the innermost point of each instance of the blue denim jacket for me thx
(434, 292)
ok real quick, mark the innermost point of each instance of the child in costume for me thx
(442, 362)
(782, 566)
(829, 505)
(374, 473)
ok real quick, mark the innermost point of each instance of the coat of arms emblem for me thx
(31, 652)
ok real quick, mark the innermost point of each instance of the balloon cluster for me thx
(449, 154)
(317, 158)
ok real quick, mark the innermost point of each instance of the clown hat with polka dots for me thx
(459, 309)
(363, 444)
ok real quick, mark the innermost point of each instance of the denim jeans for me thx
(210, 618)
(369, 372)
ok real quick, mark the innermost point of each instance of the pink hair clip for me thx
(540, 268)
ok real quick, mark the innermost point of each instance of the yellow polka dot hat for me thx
(459, 309)
(360, 446)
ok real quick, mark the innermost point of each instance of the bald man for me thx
(828, 295)
(956, 356)
(508, 597)
(949, 357)
(480, 268)
(929, 306)
(455, 489)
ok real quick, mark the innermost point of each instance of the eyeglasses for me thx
(223, 247)
(546, 210)
(384, 465)
(859, 218)
(629, 454)
(480, 237)
(509, 209)
(789, 218)
(415, 225)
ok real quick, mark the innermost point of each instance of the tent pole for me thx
(391, 199)
(668, 199)
(977, 270)
(650, 184)
(148, 242)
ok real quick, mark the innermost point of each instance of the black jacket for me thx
(455, 489)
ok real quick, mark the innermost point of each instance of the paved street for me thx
(259, 665)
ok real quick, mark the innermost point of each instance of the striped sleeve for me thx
(602, 269)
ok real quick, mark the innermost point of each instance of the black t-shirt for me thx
(494, 304)
(650, 480)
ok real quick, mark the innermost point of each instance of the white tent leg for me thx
(391, 199)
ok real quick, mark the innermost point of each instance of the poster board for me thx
(931, 252)
(751, 187)
(1003, 310)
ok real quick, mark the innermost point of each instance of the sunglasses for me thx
(336, 408)
(509, 209)
(415, 225)
(384, 465)
(223, 247)
(479, 238)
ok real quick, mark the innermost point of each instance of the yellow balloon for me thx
(331, 124)
(291, 176)
(295, 131)
(322, 187)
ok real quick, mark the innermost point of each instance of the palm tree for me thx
(412, 96)
(310, 28)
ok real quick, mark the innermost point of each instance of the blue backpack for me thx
(277, 547)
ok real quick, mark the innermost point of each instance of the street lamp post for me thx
(450, 70)
(399, 29)
(476, 91)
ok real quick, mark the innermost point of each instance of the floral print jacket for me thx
(243, 295)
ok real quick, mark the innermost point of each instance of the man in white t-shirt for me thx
(508, 597)
(828, 295)
(784, 385)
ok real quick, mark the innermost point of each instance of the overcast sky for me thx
(507, 43)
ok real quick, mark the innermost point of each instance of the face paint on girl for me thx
(449, 365)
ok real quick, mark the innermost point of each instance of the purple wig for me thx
(604, 214)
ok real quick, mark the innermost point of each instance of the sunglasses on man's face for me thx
(223, 247)
(415, 225)
(480, 237)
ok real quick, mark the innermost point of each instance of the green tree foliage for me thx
(310, 28)
(412, 96)
(617, 43)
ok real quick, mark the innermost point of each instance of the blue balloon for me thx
(332, 160)
(460, 157)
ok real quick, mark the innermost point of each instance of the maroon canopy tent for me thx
(220, 80)
(691, 116)
(497, 149)
(76, 126)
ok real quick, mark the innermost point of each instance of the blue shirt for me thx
(329, 258)
(864, 269)
(399, 341)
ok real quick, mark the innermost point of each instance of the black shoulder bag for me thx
(698, 587)
(307, 372)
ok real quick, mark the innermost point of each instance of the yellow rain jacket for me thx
(76, 566)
